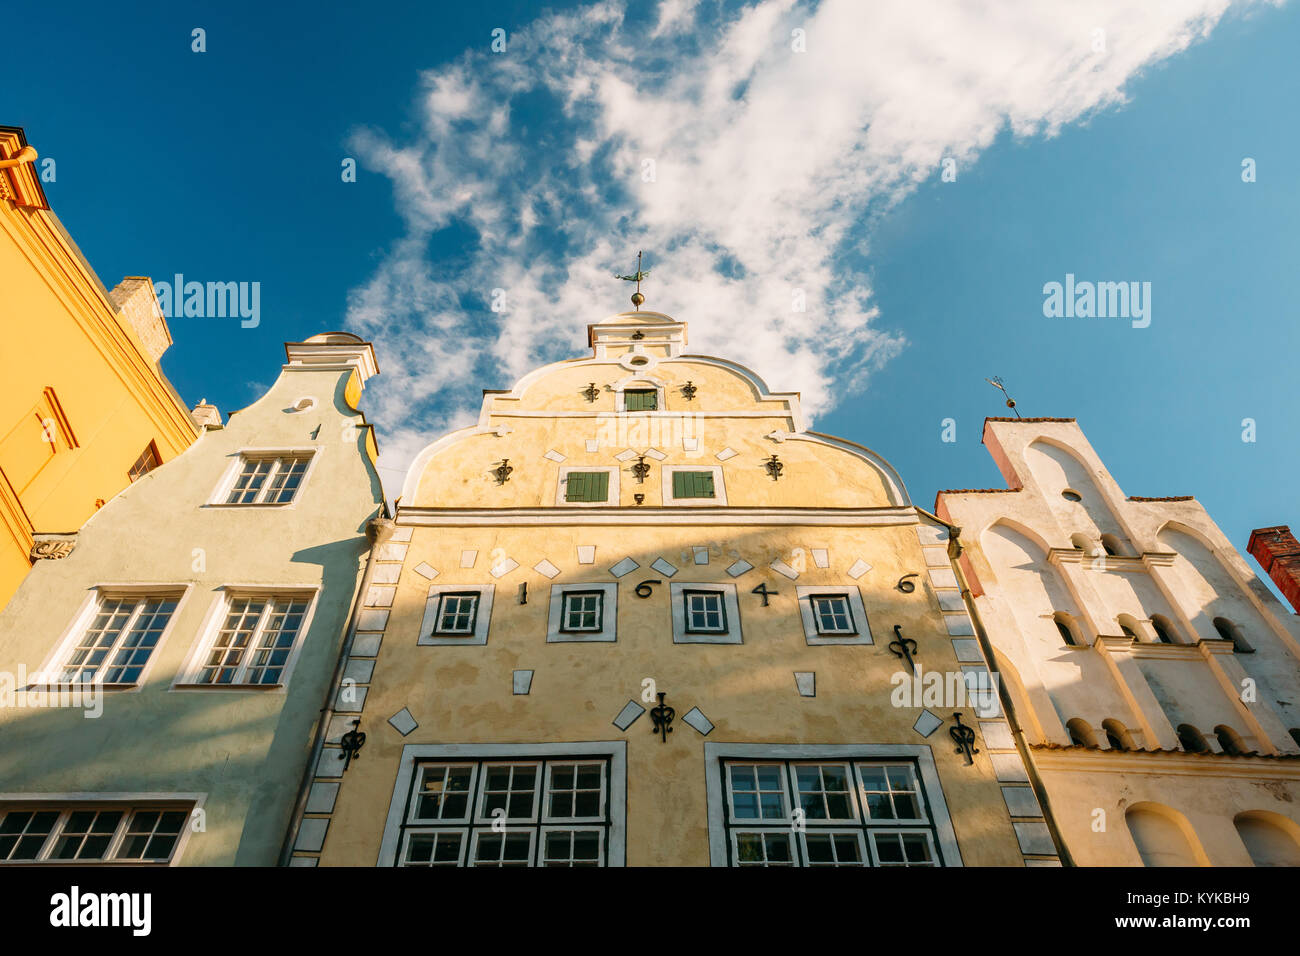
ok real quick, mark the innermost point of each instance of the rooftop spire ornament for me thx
(637, 297)
(997, 383)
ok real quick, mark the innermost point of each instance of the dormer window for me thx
(640, 400)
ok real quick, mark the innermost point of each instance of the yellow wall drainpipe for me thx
(1008, 706)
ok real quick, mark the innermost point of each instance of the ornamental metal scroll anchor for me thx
(640, 469)
(352, 743)
(903, 647)
(965, 739)
(503, 471)
(662, 716)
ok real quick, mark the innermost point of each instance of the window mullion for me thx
(254, 639)
(120, 640)
(48, 846)
(268, 482)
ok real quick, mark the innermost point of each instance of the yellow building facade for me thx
(638, 614)
(1153, 676)
(86, 408)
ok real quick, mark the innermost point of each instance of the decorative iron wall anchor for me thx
(352, 743)
(663, 718)
(965, 739)
(591, 392)
(503, 471)
(688, 391)
(640, 469)
(774, 467)
(643, 590)
(903, 647)
(764, 592)
(523, 593)
(904, 585)
(639, 498)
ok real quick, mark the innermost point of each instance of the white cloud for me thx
(768, 163)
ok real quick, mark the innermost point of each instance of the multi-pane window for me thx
(119, 640)
(705, 612)
(90, 834)
(583, 611)
(586, 486)
(146, 463)
(693, 484)
(552, 812)
(268, 480)
(256, 639)
(457, 613)
(827, 813)
(640, 400)
(833, 614)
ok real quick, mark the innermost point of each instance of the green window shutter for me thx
(692, 484)
(587, 486)
(640, 400)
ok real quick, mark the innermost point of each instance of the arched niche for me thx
(1270, 838)
(1163, 836)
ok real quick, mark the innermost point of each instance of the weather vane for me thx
(637, 297)
(997, 383)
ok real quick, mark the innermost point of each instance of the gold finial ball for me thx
(637, 299)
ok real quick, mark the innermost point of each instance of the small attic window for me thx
(1070, 495)
(639, 360)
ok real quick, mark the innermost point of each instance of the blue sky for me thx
(774, 170)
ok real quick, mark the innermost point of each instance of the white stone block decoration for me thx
(967, 650)
(426, 570)
(655, 454)
(695, 718)
(329, 764)
(546, 569)
(626, 566)
(321, 797)
(1052, 862)
(927, 723)
(950, 601)
(311, 834)
(304, 861)
(593, 445)
(553, 455)
(858, 568)
(806, 683)
(690, 444)
(1022, 803)
(931, 534)
(350, 699)
(467, 558)
(726, 454)
(391, 551)
(997, 735)
(380, 595)
(403, 722)
(366, 645)
(586, 554)
(958, 625)
(401, 534)
(627, 454)
(373, 619)
(1008, 768)
(359, 670)
(521, 682)
(943, 578)
(664, 568)
(739, 568)
(701, 554)
(821, 557)
(780, 567)
(935, 557)
(1034, 837)
(628, 715)
(505, 567)
(385, 573)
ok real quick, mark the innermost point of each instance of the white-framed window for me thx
(587, 486)
(705, 613)
(251, 639)
(93, 832)
(544, 808)
(833, 614)
(114, 638)
(264, 478)
(833, 805)
(698, 485)
(639, 395)
(457, 614)
(582, 612)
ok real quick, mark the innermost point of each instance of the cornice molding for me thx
(645, 515)
(1054, 757)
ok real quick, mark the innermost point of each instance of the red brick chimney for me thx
(1278, 553)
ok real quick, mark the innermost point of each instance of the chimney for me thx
(205, 415)
(1278, 553)
(136, 301)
